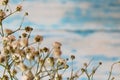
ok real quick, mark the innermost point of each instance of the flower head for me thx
(8, 31)
(57, 44)
(28, 29)
(2, 58)
(4, 2)
(38, 38)
(2, 15)
(19, 8)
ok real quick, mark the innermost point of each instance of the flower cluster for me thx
(22, 55)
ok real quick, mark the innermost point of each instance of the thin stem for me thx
(9, 14)
(110, 73)
(2, 32)
(87, 74)
(42, 64)
(72, 71)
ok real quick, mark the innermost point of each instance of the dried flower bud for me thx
(61, 61)
(38, 38)
(27, 50)
(36, 53)
(19, 8)
(13, 72)
(24, 35)
(5, 51)
(4, 2)
(28, 29)
(45, 49)
(72, 57)
(2, 58)
(50, 61)
(85, 64)
(66, 66)
(113, 78)
(83, 70)
(2, 14)
(5, 77)
(26, 14)
(16, 58)
(8, 31)
(100, 63)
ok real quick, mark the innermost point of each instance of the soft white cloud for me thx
(52, 12)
